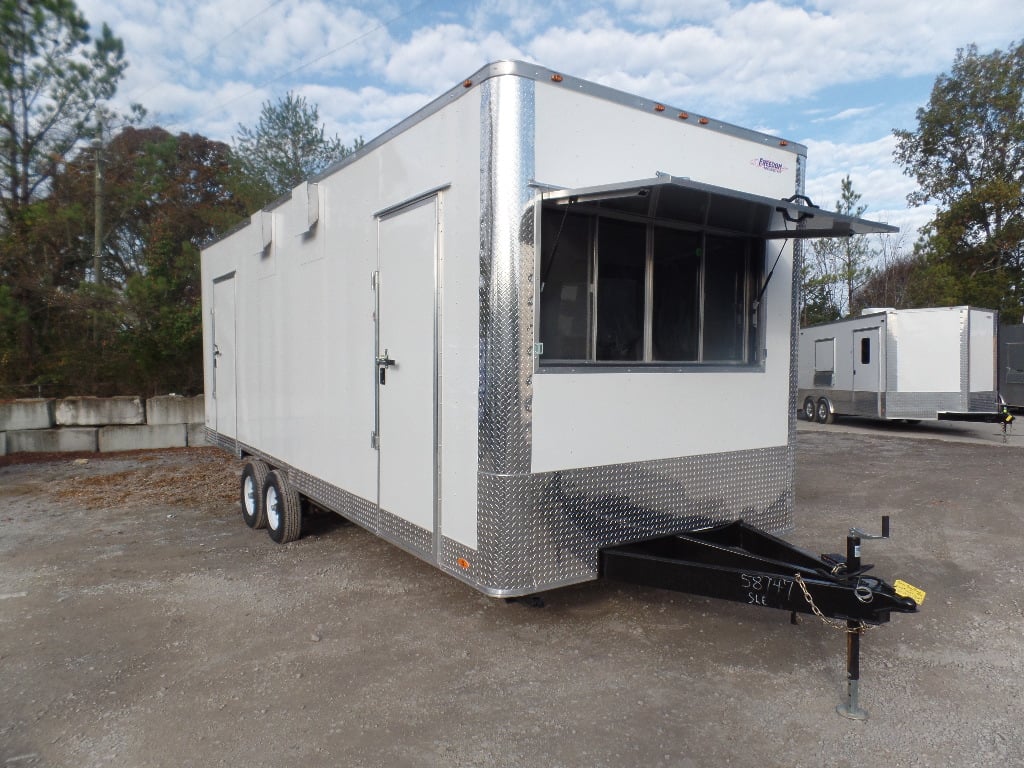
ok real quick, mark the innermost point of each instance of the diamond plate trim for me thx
(221, 441)
(794, 335)
(984, 401)
(965, 360)
(545, 530)
(506, 274)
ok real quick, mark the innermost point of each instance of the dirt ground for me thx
(142, 624)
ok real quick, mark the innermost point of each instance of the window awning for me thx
(668, 198)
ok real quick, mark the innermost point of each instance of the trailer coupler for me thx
(744, 564)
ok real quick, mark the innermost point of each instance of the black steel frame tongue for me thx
(738, 562)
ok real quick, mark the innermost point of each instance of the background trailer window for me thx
(635, 290)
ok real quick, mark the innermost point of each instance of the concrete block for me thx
(141, 436)
(52, 440)
(197, 435)
(173, 409)
(97, 411)
(31, 413)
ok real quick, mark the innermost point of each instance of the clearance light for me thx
(783, 143)
(684, 115)
(703, 121)
(467, 83)
(463, 563)
(659, 107)
(556, 78)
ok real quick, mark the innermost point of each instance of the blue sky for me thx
(836, 75)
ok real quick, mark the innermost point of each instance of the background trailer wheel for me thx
(825, 415)
(283, 508)
(254, 479)
(809, 408)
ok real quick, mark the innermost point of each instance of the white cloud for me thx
(436, 58)
(846, 114)
(207, 65)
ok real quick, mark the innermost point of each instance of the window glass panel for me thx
(724, 298)
(621, 255)
(825, 355)
(676, 319)
(865, 350)
(564, 298)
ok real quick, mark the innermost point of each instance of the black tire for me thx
(824, 411)
(283, 508)
(254, 480)
(809, 409)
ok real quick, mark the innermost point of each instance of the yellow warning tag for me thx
(908, 590)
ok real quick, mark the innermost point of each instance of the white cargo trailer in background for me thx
(915, 364)
(498, 337)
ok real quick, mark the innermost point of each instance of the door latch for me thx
(383, 363)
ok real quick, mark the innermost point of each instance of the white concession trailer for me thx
(521, 326)
(915, 364)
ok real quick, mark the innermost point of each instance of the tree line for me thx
(102, 217)
(967, 158)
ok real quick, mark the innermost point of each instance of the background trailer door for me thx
(867, 368)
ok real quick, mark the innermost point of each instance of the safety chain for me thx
(834, 623)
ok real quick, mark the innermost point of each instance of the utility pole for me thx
(97, 238)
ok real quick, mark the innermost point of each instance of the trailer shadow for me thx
(950, 431)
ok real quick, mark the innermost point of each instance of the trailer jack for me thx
(736, 561)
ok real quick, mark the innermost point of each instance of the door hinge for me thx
(375, 441)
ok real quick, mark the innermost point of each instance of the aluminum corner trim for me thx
(506, 274)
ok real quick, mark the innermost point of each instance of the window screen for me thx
(621, 270)
(725, 284)
(676, 325)
(565, 287)
(618, 289)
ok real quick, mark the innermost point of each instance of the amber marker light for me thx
(659, 107)
(703, 121)
(556, 78)
(467, 83)
(783, 143)
(463, 563)
(684, 115)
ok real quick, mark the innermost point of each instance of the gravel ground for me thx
(142, 624)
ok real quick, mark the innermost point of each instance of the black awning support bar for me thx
(738, 562)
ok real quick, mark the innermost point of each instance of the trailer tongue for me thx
(738, 562)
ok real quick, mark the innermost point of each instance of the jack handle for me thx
(864, 535)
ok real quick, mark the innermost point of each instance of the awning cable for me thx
(554, 248)
(768, 279)
(757, 301)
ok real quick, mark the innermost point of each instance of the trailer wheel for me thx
(254, 479)
(825, 415)
(283, 508)
(809, 409)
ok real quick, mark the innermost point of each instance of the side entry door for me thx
(406, 367)
(224, 355)
(867, 369)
